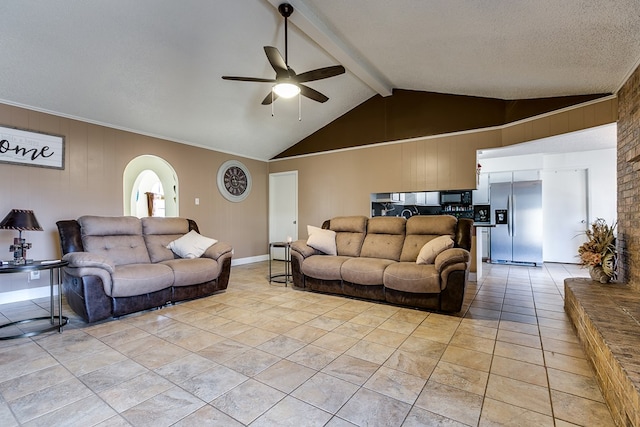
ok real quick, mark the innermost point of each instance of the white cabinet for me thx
(481, 195)
(432, 198)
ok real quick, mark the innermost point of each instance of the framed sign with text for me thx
(26, 148)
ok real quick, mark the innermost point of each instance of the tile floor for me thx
(266, 355)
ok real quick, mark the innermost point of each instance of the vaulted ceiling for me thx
(155, 66)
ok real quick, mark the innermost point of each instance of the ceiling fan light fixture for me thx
(286, 90)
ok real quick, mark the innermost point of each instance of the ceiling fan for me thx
(287, 82)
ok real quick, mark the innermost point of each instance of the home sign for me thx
(21, 147)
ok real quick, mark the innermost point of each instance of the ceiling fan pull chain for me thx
(272, 113)
(299, 108)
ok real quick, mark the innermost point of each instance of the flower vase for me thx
(597, 273)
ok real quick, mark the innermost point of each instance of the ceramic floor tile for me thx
(208, 415)
(519, 393)
(580, 411)
(186, 367)
(496, 413)
(396, 384)
(326, 392)
(89, 363)
(164, 409)
(519, 338)
(285, 376)
(251, 362)
(519, 352)
(370, 351)
(291, 412)
(223, 351)
(248, 401)
(213, 382)
(160, 355)
(579, 385)
(41, 402)
(88, 411)
(412, 363)
(134, 391)
(386, 337)
(33, 382)
(517, 370)
(468, 358)
(351, 369)
(368, 408)
(419, 417)
(111, 375)
(450, 402)
(472, 342)
(281, 346)
(562, 362)
(314, 357)
(461, 377)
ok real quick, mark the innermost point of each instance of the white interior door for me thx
(283, 209)
(564, 201)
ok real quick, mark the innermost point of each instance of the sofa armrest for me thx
(216, 250)
(451, 256)
(88, 259)
(303, 249)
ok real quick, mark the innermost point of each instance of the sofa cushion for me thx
(365, 271)
(191, 245)
(116, 238)
(420, 229)
(412, 277)
(433, 248)
(193, 271)
(384, 239)
(322, 240)
(159, 232)
(325, 267)
(350, 232)
(139, 279)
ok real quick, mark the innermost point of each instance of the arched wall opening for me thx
(148, 173)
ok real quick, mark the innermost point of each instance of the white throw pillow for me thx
(191, 245)
(322, 240)
(432, 249)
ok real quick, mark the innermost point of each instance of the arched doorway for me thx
(150, 181)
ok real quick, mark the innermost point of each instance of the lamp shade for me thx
(286, 90)
(20, 219)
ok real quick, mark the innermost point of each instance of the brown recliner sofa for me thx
(121, 265)
(376, 259)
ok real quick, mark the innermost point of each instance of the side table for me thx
(54, 270)
(287, 262)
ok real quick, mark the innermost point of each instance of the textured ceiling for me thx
(154, 66)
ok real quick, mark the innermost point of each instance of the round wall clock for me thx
(234, 181)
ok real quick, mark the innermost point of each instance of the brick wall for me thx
(628, 181)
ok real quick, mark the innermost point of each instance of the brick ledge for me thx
(606, 321)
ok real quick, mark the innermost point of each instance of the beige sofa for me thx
(376, 259)
(120, 265)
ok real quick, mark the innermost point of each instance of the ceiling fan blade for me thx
(249, 79)
(312, 94)
(271, 96)
(320, 73)
(277, 62)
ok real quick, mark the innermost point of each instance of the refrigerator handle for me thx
(509, 215)
(513, 214)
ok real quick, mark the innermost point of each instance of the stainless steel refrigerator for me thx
(517, 212)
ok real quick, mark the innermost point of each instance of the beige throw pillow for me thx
(191, 245)
(432, 249)
(322, 240)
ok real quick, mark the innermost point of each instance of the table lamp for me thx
(20, 219)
